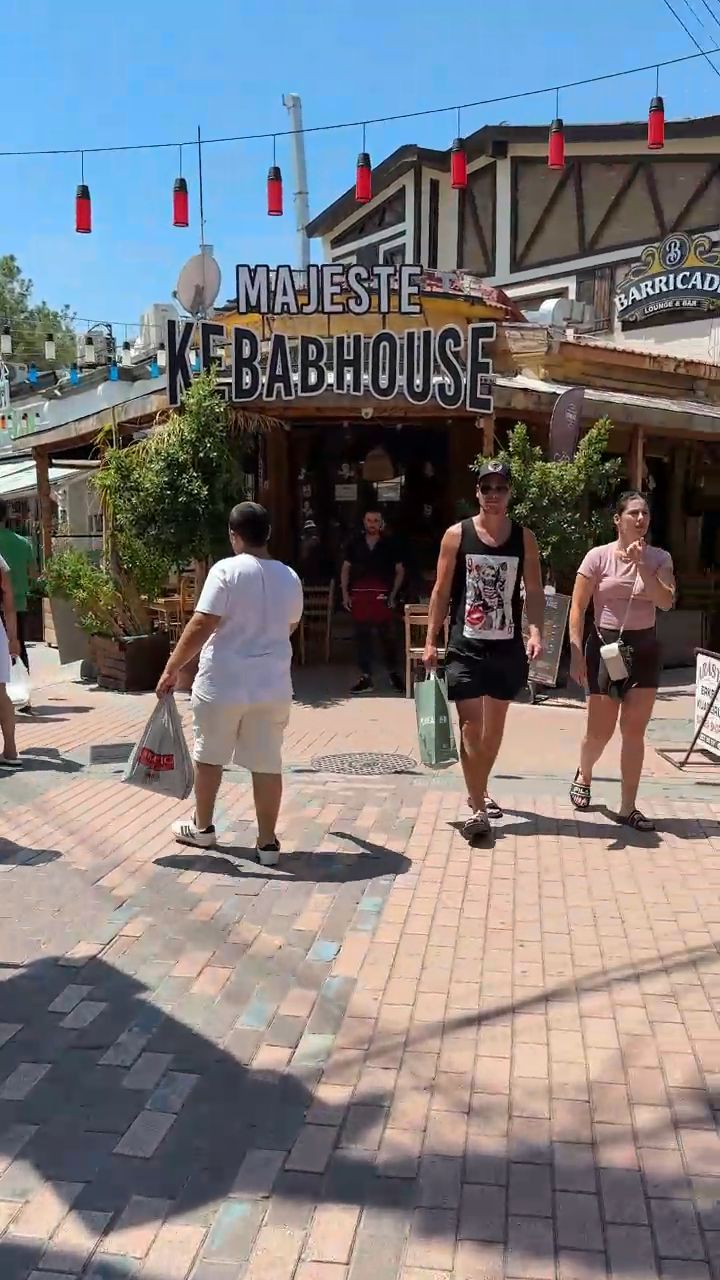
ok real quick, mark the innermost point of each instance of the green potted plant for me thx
(127, 655)
(566, 503)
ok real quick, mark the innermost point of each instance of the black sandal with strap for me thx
(636, 820)
(579, 793)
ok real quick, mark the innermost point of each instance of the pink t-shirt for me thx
(613, 581)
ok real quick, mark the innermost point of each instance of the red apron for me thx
(369, 603)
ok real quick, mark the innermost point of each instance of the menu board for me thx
(707, 680)
(545, 669)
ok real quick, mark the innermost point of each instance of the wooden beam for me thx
(42, 471)
(701, 188)
(637, 458)
(471, 205)
(487, 426)
(579, 205)
(655, 199)
(545, 212)
(617, 200)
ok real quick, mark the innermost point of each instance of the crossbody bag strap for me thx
(627, 611)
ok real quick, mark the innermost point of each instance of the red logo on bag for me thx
(156, 763)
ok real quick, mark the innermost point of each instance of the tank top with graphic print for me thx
(486, 606)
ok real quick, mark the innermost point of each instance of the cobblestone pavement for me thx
(391, 1058)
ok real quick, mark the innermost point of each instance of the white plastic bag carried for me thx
(161, 760)
(19, 686)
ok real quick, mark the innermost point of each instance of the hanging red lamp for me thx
(83, 210)
(458, 165)
(363, 179)
(556, 145)
(274, 192)
(656, 124)
(181, 205)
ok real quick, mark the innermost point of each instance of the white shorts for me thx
(251, 734)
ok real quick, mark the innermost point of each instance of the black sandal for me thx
(636, 820)
(579, 793)
(492, 808)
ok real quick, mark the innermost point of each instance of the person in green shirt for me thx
(19, 555)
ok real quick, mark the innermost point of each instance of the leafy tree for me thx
(566, 503)
(30, 322)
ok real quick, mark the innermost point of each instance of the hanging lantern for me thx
(74, 374)
(363, 178)
(83, 210)
(89, 355)
(274, 192)
(656, 124)
(114, 371)
(458, 165)
(49, 347)
(32, 376)
(126, 357)
(162, 357)
(556, 145)
(6, 342)
(181, 211)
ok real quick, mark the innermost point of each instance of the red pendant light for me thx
(83, 204)
(83, 210)
(458, 165)
(556, 145)
(274, 192)
(363, 175)
(656, 124)
(181, 205)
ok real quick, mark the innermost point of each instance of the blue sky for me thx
(78, 75)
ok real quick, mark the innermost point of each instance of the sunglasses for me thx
(494, 488)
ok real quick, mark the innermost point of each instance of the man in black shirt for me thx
(371, 576)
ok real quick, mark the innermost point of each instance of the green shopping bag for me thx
(435, 732)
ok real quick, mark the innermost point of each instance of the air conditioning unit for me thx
(153, 327)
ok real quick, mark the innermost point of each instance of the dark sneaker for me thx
(268, 855)
(364, 685)
(188, 833)
(396, 682)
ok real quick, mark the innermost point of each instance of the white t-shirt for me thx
(247, 658)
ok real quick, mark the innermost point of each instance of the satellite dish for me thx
(198, 284)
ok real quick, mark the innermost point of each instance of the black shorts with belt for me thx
(499, 669)
(642, 658)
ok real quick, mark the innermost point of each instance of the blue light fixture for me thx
(74, 374)
(154, 368)
(32, 374)
(114, 374)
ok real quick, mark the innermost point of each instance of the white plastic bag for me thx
(161, 760)
(19, 686)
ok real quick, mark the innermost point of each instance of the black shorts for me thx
(642, 658)
(493, 673)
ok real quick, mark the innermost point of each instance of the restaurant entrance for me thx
(343, 469)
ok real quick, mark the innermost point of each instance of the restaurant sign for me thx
(448, 364)
(680, 274)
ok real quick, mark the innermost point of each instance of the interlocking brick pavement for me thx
(393, 1057)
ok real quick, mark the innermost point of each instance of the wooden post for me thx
(487, 426)
(42, 471)
(637, 459)
(277, 497)
(678, 480)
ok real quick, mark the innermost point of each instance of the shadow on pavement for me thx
(18, 855)
(114, 1099)
(238, 862)
(43, 760)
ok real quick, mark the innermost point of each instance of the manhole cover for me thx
(363, 762)
(111, 753)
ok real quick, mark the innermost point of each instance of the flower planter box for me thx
(62, 631)
(131, 665)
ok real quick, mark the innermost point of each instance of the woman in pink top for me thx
(628, 581)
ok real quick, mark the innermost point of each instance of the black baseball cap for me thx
(498, 469)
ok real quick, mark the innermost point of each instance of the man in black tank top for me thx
(483, 562)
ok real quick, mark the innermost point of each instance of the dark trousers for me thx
(364, 638)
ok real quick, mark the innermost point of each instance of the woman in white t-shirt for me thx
(9, 649)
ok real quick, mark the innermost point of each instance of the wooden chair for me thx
(416, 623)
(187, 595)
(316, 623)
(167, 613)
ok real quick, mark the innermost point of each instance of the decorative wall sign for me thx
(565, 423)
(680, 274)
(448, 365)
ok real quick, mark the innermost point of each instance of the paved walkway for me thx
(391, 1058)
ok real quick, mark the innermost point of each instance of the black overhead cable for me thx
(689, 33)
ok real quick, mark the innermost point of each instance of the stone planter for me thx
(131, 665)
(63, 632)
